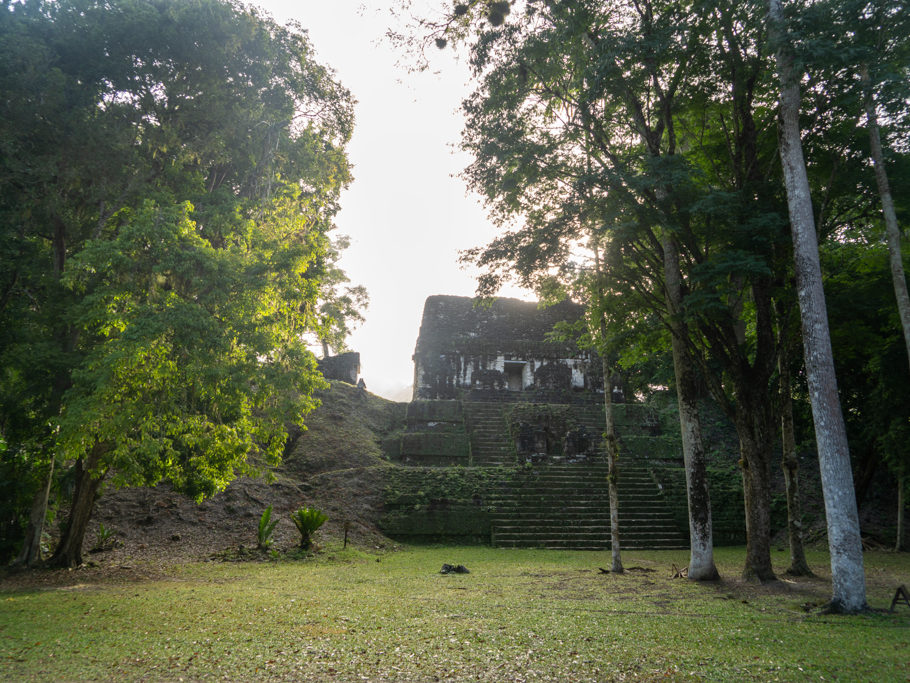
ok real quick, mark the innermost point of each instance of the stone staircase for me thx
(490, 443)
(559, 501)
(567, 506)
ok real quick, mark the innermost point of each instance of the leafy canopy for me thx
(169, 173)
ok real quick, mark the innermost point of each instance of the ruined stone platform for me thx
(465, 452)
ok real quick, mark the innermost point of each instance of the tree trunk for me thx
(69, 550)
(848, 578)
(895, 256)
(790, 465)
(30, 555)
(898, 543)
(701, 535)
(754, 426)
(611, 444)
(891, 227)
(612, 454)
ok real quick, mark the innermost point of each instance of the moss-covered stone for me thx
(650, 448)
(427, 503)
(435, 411)
(438, 447)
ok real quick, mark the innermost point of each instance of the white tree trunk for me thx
(701, 535)
(848, 578)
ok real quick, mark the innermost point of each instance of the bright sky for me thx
(406, 213)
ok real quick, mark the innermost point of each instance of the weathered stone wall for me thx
(433, 504)
(435, 436)
(502, 347)
(344, 367)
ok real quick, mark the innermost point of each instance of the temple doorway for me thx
(514, 372)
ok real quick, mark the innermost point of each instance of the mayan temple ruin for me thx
(503, 441)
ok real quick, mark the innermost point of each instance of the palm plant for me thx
(266, 528)
(308, 520)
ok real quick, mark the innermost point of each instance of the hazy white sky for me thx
(406, 213)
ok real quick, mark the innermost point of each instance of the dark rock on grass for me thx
(454, 569)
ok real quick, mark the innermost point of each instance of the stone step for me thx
(591, 544)
(552, 509)
(566, 505)
(553, 506)
(593, 480)
(645, 488)
(557, 503)
(638, 530)
(582, 512)
(562, 544)
(640, 534)
(589, 493)
(585, 533)
(520, 515)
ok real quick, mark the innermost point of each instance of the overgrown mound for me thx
(336, 465)
(344, 433)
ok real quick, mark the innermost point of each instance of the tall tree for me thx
(868, 347)
(849, 583)
(799, 566)
(168, 180)
(611, 442)
(659, 127)
(861, 49)
(537, 161)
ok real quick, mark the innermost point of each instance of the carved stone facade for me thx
(498, 349)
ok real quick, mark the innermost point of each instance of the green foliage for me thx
(423, 487)
(308, 520)
(20, 477)
(869, 352)
(341, 305)
(104, 538)
(572, 131)
(265, 529)
(170, 173)
(191, 369)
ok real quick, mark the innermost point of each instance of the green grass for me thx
(519, 615)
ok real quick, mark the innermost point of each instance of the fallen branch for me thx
(679, 573)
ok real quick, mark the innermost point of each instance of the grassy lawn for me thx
(519, 615)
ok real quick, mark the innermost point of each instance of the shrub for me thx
(104, 539)
(266, 528)
(308, 520)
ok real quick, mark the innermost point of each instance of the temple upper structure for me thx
(491, 351)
